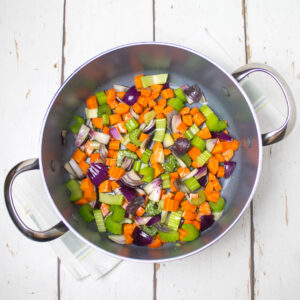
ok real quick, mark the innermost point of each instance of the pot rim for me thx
(237, 85)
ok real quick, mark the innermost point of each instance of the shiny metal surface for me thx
(289, 123)
(40, 236)
(183, 65)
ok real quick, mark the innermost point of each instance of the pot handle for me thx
(289, 123)
(40, 236)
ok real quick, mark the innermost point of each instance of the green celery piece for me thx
(148, 174)
(169, 237)
(103, 109)
(180, 94)
(146, 156)
(105, 119)
(221, 126)
(125, 139)
(206, 110)
(186, 159)
(118, 213)
(188, 134)
(112, 226)
(151, 230)
(192, 183)
(166, 184)
(131, 124)
(111, 199)
(101, 97)
(134, 137)
(192, 232)
(160, 129)
(165, 176)
(74, 187)
(198, 142)
(99, 220)
(86, 212)
(212, 122)
(124, 153)
(161, 204)
(194, 129)
(176, 103)
(217, 206)
(77, 124)
(174, 219)
(203, 158)
(149, 116)
(137, 165)
(154, 79)
(152, 209)
(201, 198)
(170, 163)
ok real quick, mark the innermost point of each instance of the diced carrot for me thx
(218, 149)
(131, 147)
(81, 201)
(98, 123)
(217, 185)
(143, 101)
(221, 171)
(114, 145)
(112, 154)
(194, 111)
(182, 128)
(182, 233)
(161, 116)
(173, 187)
(94, 157)
(171, 204)
(228, 154)
(146, 92)
(140, 211)
(198, 119)
(114, 185)
(105, 129)
(183, 171)
(138, 82)
(86, 184)
(122, 108)
(141, 119)
(196, 224)
(114, 119)
(105, 186)
(111, 162)
(211, 177)
(157, 169)
(213, 165)
(209, 187)
(79, 156)
(128, 229)
(195, 165)
(120, 95)
(139, 152)
(187, 206)
(115, 172)
(168, 93)
(194, 152)
(167, 110)
(110, 95)
(121, 127)
(174, 175)
(138, 108)
(177, 135)
(162, 102)
(185, 111)
(83, 165)
(167, 152)
(156, 146)
(204, 133)
(214, 196)
(188, 222)
(128, 239)
(179, 196)
(220, 158)
(187, 119)
(152, 103)
(88, 148)
(127, 117)
(92, 102)
(235, 145)
(143, 136)
(156, 243)
(188, 215)
(90, 195)
(156, 87)
(104, 209)
(204, 208)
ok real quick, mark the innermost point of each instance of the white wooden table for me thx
(42, 42)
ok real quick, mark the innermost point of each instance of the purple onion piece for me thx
(210, 144)
(103, 152)
(142, 220)
(222, 136)
(162, 227)
(146, 143)
(127, 163)
(131, 96)
(184, 87)
(170, 116)
(229, 167)
(135, 204)
(141, 238)
(149, 128)
(154, 220)
(193, 92)
(202, 171)
(115, 134)
(206, 221)
(203, 180)
(97, 173)
(181, 146)
(130, 179)
(165, 86)
(129, 194)
(82, 135)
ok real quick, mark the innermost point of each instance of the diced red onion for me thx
(141, 238)
(103, 152)
(130, 179)
(69, 169)
(176, 120)
(155, 194)
(181, 146)
(134, 114)
(115, 134)
(191, 174)
(118, 238)
(181, 186)
(146, 143)
(148, 188)
(165, 86)
(202, 171)
(149, 127)
(162, 227)
(170, 116)
(120, 88)
(210, 144)
(229, 167)
(131, 96)
(82, 135)
(127, 163)
(203, 180)
(153, 220)
(76, 168)
(128, 193)
(184, 87)
(181, 163)
(135, 204)
(142, 220)
(206, 221)
(97, 173)
(193, 93)
(100, 137)
(222, 136)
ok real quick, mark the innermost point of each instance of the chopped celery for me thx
(203, 158)
(194, 129)
(166, 184)
(131, 124)
(112, 226)
(164, 216)
(91, 113)
(161, 204)
(176, 103)
(134, 137)
(152, 208)
(174, 219)
(180, 94)
(86, 212)
(186, 159)
(200, 199)
(99, 220)
(74, 187)
(170, 163)
(206, 110)
(149, 116)
(111, 199)
(146, 156)
(217, 206)
(148, 174)
(143, 165)
(160, 129)
(168, 140)
(192, 184)
(104, 109)
(198, 142)
(154, 79)
(151, 230)
(137, 165)
(101, 97)
(212, 121)
(105, 119)
(165, 176)
(191, 232)
(118, 213)
(125, 139)
(76, 126)
(169, 237)
(122, 154)
(188, 134)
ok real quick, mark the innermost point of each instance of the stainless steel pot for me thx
(119, 65)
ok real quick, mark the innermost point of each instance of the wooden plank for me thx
(276, 205)
(30, 58)
(209, 274)
(91, 28)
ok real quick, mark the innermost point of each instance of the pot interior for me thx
(119, 66)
